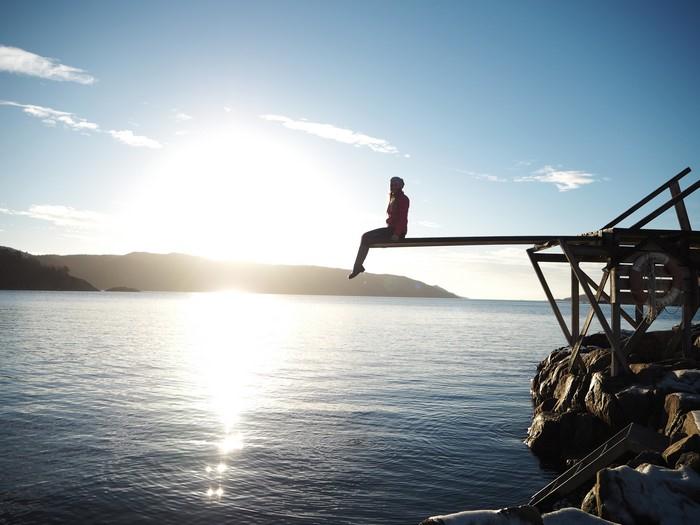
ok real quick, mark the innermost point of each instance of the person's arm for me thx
(400, 225)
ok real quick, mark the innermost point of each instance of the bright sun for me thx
(226, 193)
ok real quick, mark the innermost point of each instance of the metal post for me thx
(574, 307)
(615, 315)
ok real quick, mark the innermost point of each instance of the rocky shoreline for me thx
(575, 412)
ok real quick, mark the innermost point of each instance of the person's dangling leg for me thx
(378, 235)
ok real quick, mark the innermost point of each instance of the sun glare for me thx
(226, 193)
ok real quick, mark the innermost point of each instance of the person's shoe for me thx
(356, 272)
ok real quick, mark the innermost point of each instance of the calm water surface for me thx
(209, 408)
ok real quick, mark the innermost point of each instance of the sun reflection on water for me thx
(234, 345)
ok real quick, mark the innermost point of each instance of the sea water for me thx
(126, 408)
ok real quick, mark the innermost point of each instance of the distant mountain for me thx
(23, 271)
(186, 273)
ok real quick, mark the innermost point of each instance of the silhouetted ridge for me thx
(23, 271)
(187, 273)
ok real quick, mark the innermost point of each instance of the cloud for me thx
(227, 109)
(60, 215)
(127, 137)
(564, 180)
(182, 117)
(19, 61)
(51, 117)
(329, 131)
(429, 224)
(482, 176)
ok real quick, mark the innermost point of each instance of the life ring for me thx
(637, 284)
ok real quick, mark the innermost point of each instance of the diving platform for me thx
(648, 269)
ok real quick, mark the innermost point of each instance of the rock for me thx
(555, 437)
(651, 373)
(690, 460)
(651, 457)
(687, 380)
(636, 403)
(572, 516)
(544, 434)
(600, 340)
(589, 503)
(676, 405)
(601, 402)
(524, 515)
(691, 424)
(549, 373)
(571, 392)
(687, 444)
(648, 494)
(596, 360)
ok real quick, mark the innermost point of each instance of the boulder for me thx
(596, 359)
(691, 424)
(571, 392)
(687, 444)
(555, 437)
(588, 504)
(572, 516)
(602, 403)
(636, 404)
(687, 380)
(524, 515)
(676, 405)
(651, 457)
(690, 460)
(549, 373)
(648, 494)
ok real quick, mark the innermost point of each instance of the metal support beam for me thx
(550, 297)
(658, 211)
(574, 307)
(646, 199)
(614, 344)
(681, 212)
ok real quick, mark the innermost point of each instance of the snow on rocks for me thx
(648, 494)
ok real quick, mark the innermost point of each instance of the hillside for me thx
(178, 272)
(23, 271)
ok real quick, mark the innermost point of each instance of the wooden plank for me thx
(614, 344)
(681, 212)
(646, 199)
(550, 297)
(414, 242)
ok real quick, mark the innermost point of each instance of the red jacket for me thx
(397, 213)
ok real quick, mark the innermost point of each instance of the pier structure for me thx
(646, 269)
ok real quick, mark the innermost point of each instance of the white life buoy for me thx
(637, 283)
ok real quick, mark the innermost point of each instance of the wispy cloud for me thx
(60, 215)
(329, 131)
(564, 180)
(127, 137)
(429, 224)
(482, 176)
(19, 61)
(182, 117)
(51, 117)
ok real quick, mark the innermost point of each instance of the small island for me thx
(121, 289)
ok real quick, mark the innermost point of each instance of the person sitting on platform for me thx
(396, 228)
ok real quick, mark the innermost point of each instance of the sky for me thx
(268, 131)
